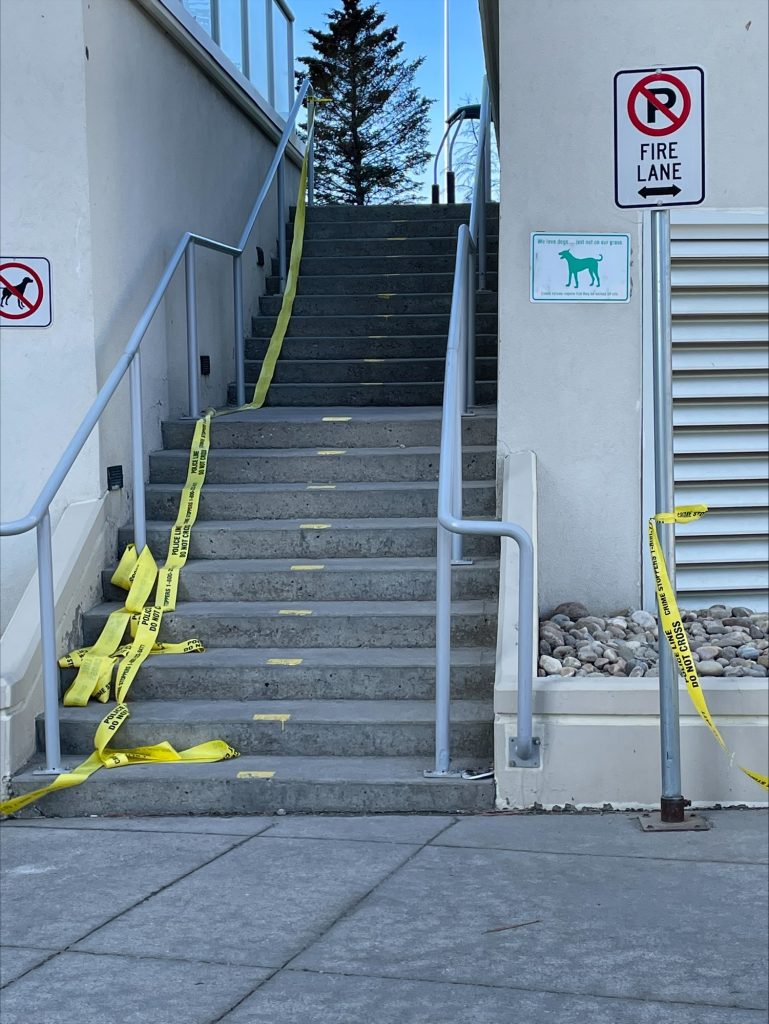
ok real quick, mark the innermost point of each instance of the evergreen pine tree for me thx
(372, 137)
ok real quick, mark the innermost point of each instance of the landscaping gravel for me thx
(725, 641)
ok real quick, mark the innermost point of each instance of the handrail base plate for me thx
(515, 761)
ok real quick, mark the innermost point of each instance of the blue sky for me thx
(420, 27)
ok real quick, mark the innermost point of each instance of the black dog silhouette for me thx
(19, 293)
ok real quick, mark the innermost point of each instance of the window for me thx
(258, 37)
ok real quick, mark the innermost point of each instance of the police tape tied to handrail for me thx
(138, 573)
(671, 625)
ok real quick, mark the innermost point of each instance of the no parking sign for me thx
(659, 137)
(25, 291)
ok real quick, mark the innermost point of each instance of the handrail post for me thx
(48, 646)
(457, 540)
(443, 653)
(282, 223)
(470, 327)
(487, 162)
(240, 340)
(137, 454)
(482, 225)
(193, 359)
(523, 741)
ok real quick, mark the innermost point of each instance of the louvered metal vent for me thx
(720, 274)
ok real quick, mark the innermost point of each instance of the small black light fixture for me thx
(114, 478)
(259, 256)
(205, 366)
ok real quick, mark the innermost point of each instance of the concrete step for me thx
(314, 624)
(362, 325)
(382, 263)
(298, 785)
(302, 673)
(331, 428)
(335, 370)
(374, 305)
(394, 211)
(410, 346)
(312, 728)
(382, 247)
(342, 579)
(233, 465)
(292, 500)
(368, 393)
(308, 539)
(409, 227)
(373, 284)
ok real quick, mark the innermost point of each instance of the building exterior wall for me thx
(47, 375)
(114, 144)
(571, 374)
(168, 152)
(116, 140)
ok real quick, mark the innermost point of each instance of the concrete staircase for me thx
(312, 572)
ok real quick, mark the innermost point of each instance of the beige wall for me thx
(116, 140)
(47, 375)
(570, 375)
(114, 143)
(167, 152)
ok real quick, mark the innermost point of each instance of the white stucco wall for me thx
(114, 142)
(47, 375)
(570, 374)
(167, 152)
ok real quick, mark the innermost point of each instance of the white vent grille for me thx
(720, 302)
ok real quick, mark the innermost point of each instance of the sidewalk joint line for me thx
(523, 988)
(341, 916)
(156, 892)
(603, 856)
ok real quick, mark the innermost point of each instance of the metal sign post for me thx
(659, 158)
(671, 801)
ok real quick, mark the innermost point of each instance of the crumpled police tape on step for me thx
(672, 626)
(138, 574)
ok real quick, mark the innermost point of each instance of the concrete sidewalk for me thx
(555, 919)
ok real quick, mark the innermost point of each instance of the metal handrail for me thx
(39, 516)
(472, 112)
(458, 397)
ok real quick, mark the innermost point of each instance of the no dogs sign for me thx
(25, 291)
(659, 137)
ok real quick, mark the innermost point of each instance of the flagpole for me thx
(446, 98)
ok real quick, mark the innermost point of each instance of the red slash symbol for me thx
(651, 97)
(17, 291)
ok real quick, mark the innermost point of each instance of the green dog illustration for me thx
(576, 266)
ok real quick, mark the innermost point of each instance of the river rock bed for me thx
(725, 641)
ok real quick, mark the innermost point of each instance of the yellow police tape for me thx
(138, 574)
(672, 625)
(289, 293)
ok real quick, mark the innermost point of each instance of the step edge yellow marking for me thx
(295, 611)
(285, 661)
(306, 568)
(315, 526)
(255, 775)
